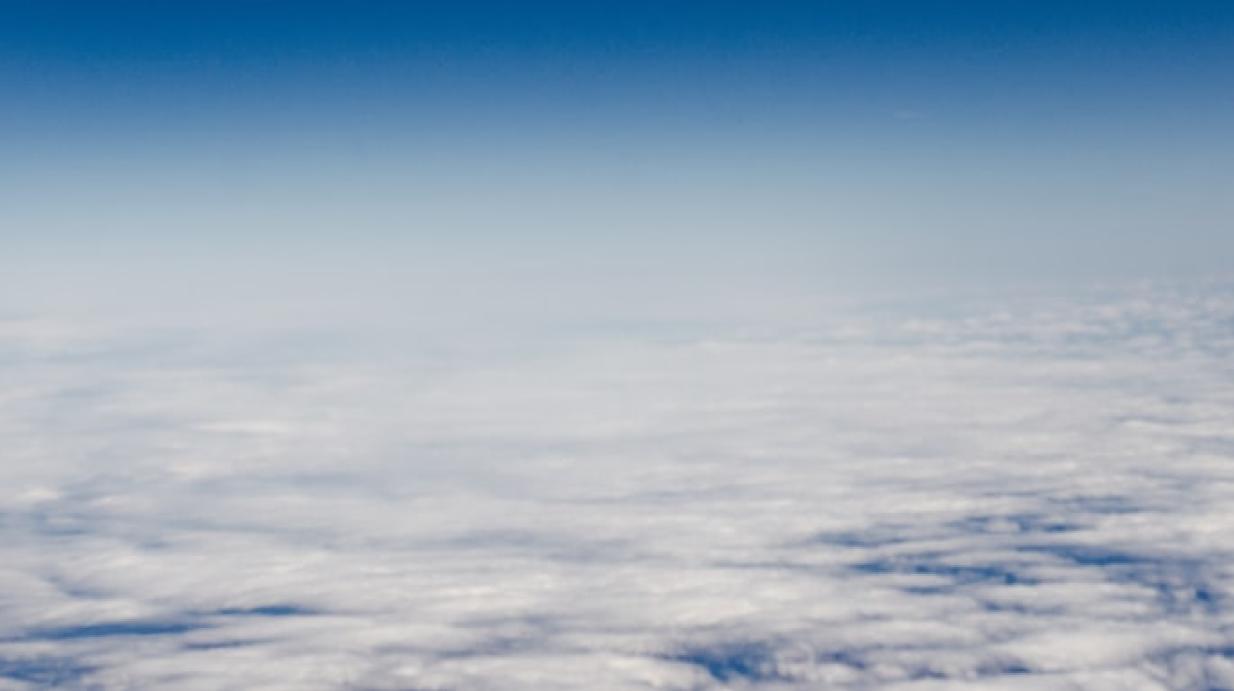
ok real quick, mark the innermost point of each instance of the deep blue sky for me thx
(1018, 137)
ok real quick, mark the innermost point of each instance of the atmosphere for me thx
(688, 346)
(864, 140)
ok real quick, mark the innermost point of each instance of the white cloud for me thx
(1038, 498)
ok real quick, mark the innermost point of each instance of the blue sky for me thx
(1026, 139)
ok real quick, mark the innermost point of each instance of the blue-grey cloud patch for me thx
(954, 574)
(277, 610)
(114, 629)
(725, 662)
(48, 672)
(1017, 523)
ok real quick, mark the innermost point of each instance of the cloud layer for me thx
(1021, 494)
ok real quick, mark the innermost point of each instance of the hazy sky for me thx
(1029, 139)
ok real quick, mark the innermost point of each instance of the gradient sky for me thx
(1027, 139)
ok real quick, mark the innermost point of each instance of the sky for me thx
(843, 144)
(639, 345)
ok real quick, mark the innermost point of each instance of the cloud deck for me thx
(1034, 496)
